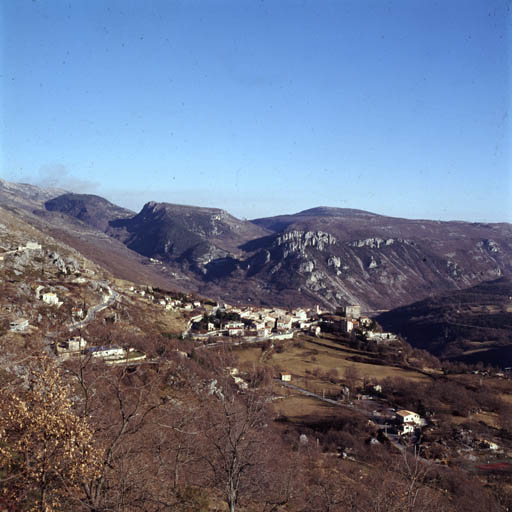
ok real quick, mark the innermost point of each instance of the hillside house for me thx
(77, 312)
(405, 416)
(196, 318)
(315, 330)
(76, 343)
(234, 325)
(31, 246)
(406, 428)
(70, 347)
(18, 325)
(490, 445)
(51, 299)
(285, 377)
(352, 311)
(107, 352)
(284, 323)
(380, 337)
(299, 315)
(347, 325)
(258, 324)
(236, 331)
(365, 321)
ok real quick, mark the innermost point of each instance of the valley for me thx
(328, 401)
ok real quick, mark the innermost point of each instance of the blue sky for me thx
(263, 107)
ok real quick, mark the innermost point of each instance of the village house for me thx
(365, 321)
(107, 352)
(258, 324)
(31, 246)
(347, 325)
(18, 325)
(315, 330)
(51, 299)
(285, 377)
(196, 318)
(234, 325)
(236, 331)
(299, 314)
(380, 337)
(77, 312)
(352, 311)
(76, 343)
(490, 445)
(405, 416)
(284, 323)
(407, 421)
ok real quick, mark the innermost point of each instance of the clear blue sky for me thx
(263, 107)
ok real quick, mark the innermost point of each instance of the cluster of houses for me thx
(255, 322)
(169, 303)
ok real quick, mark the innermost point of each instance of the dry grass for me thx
(331, 356)
(295, 407)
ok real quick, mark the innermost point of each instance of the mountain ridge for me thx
(325, 255)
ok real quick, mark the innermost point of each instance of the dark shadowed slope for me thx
(468, 325)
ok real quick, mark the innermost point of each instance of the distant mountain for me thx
(93, 210)
(178, 233)
(23, 195)
(324, 255)
(469, 325)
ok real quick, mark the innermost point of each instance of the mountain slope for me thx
(329, 256)
(469, 325)
(93, 210)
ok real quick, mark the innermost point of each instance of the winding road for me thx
(91, 313)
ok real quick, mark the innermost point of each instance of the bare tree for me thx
(235, 434)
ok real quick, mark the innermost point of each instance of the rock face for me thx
(190, 236)
(329, 256)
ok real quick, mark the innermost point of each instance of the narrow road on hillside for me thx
(110, 298)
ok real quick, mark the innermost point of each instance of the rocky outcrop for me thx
(298, 241)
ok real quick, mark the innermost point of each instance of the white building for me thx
(32, 246)
(76, 343)
(234, 325)
(18, 325)
(107, 352)
(51, 299)
(348, 325)
(405, 416)
(284, 323)
(352, 311)
(299, 314)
